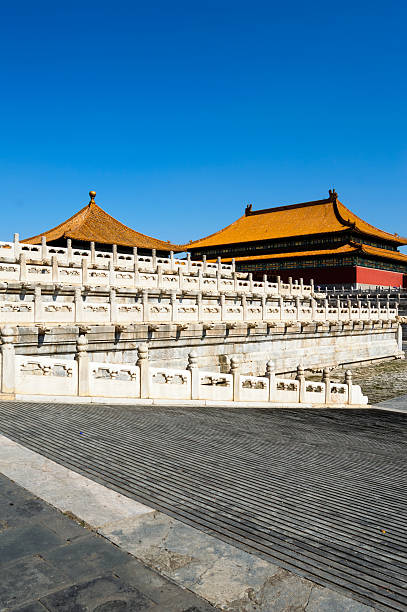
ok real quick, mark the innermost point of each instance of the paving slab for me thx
(67, 567)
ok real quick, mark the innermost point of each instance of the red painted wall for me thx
(371, 276)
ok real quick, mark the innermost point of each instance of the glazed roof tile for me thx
(342, 250)
(93, 224)
(319, 217)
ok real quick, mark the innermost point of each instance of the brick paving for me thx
(50, 562)
(319, 492)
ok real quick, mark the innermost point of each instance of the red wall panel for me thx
(371, 276)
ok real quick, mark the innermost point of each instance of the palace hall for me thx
(93, 226)
(321, 240)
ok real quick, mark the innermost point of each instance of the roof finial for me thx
(248, 209)
(92, 197)
(333, 195)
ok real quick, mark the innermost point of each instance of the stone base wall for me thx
(310, 345)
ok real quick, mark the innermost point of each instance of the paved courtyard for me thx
(319, 492)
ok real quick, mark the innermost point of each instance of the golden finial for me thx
(92, 196)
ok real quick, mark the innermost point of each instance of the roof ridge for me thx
(395, 238)
(83, 209)
(289, 206)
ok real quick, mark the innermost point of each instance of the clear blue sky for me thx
(179, 113)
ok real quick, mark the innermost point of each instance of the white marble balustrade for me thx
(45, 376)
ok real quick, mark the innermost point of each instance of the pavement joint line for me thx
(94, 503)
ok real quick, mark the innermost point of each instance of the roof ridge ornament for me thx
(333, 195)
(92, 197)
(248, 210)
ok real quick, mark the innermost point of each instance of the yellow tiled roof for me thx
(304, 219)
(342, 250)
(93, 224)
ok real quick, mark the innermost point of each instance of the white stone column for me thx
(193, 368)
(8, 362)
(200, 309)
(233, 264)
(54, 266)
(279, 284)
(44, 251)
(400, 338)
(154, 259)
(84, 263)
(142, 362)
(146, 306)
(235, 371)
(82, 357)
(327, 380)
(298, 308)
(23, 267)
(313, 308)
(38, 306)
(174, 307)
(113, 306)
(92, 253)
(17, 247)
(78, 305)
(69, 251)
(244, 306)
(271, 375)
(302, 286)
(348, 382)
(172, 260)
(263, 307)
(301, 380)
(114, 251)
(251, 282)
(204, 264)
(112, 275)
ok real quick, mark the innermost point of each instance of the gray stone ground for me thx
(50, 562)
(397, 403)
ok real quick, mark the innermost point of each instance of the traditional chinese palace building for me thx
(322, 240)
(92, 224)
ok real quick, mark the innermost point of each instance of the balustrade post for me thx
(180, 278)
(244, 306)
(400, 338)
(146, 306)
(271, 375)
(251, 282)
(114, 251)
(223, 307)
(135, 260)
(69, 250)
(189, 263)
(326, 378)
(54, 265)
(159, 276)
(82, 357)
(174, 307)
(193, 368)
(23, 267)
(312, 286)
(298, 308)
(302, 384)
(313, 308)
(263, 307)
(112, 274)
(17, 247)
(143, 364)
(281, 303)
(78, 305)
(200, 279)
(348, 382)
(290, 282)
(38, 306)
(265, 283)
(301, 286)
(204, 264)
(172, 260)
(113, 306)
(8, 362)
(200, 309)
(44, 252)
(154, 259)
(92, 253)
(326, 306)
(235, 371)
(84, 264)
(233, 264)
(279, 284)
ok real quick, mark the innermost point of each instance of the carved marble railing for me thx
(36, 306)
(48, 265)
(45, 376)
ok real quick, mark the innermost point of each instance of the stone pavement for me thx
(50, 562)
(316, 496)
(397, 403)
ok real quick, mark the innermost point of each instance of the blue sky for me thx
(179, 113)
